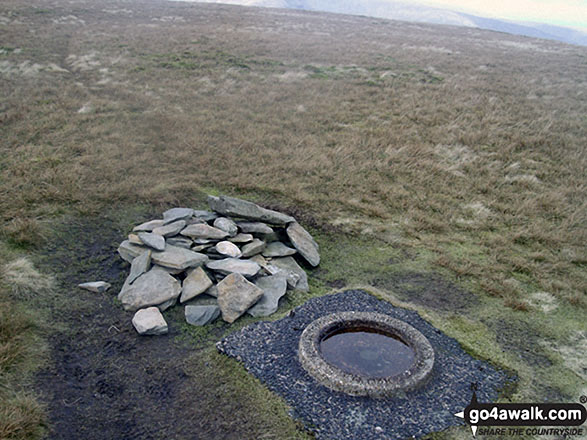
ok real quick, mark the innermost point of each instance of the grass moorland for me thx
(440, 168)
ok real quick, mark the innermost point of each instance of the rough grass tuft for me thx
(23, 280)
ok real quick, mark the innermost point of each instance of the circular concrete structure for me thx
(311, 358)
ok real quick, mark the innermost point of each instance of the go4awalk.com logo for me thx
(561, 419)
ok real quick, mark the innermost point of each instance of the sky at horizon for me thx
(568, 13)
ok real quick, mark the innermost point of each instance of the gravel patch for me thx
(268, 350)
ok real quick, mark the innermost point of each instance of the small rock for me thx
(273, 287)
(203, 300)
(134, 239)
(241, 238)
(174, 214)
(234, 265)
(254, 227)
(253, 248)
(148, 226)
(152, 240)
(226, 225)
(195, 283)
(204, 231)
(201, 315)
(277, 249)
(171, 229)
(95, 286)
(183, 242)
(207, 216)
(149, 321)
(178, 258)
(241, 208)
(228, 249)
(236, 295)
(139, 266)
(150, 289)
(204, 241)
(304, 243)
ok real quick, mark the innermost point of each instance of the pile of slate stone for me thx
(237, 258)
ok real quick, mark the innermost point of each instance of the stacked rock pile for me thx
(239, 256)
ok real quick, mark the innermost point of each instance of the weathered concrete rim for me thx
(338, 380)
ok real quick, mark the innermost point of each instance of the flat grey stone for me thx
(304, 243)
(129, 251)
(273, 287)
(170, 229)
(207, 216)
(241, 238)
(139, 266)
(241, 208)
(254, 228)
(201, 315)
(195, 283)
(236, 295)
(277, 249)
(228, 249)
(150, 289)
(95, 286)
(152, 240)
(293, 271)
(178, 258)
(183, 242)
(204, 231)
(174, 214)
(233, 265)
(148, 226)
(226, 225)
(253, 248)
(149, 321)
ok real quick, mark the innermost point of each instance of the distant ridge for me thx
(419, 13)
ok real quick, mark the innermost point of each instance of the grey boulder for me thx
(171, 229)
(241, 208)
(273, 287)
(195, 283)
(277, 249)
(204, 231)
(296, 276)
(254, 228)
(152, 240)
(201, 315)
(148, 226)
(149, 321)
(150, 289)
(304, 243)
(139, 266)
(174, 214)
(233, 265)
(178, 258)
(226, 225)
(236, 295)
(253, 248)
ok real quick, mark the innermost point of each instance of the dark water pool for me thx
(367, 352)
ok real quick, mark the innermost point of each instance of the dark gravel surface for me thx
(269, 351)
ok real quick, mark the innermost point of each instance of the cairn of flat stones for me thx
(236, 258)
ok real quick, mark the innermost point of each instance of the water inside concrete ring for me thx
(365, 354)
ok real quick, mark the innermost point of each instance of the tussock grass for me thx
(23, 280)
